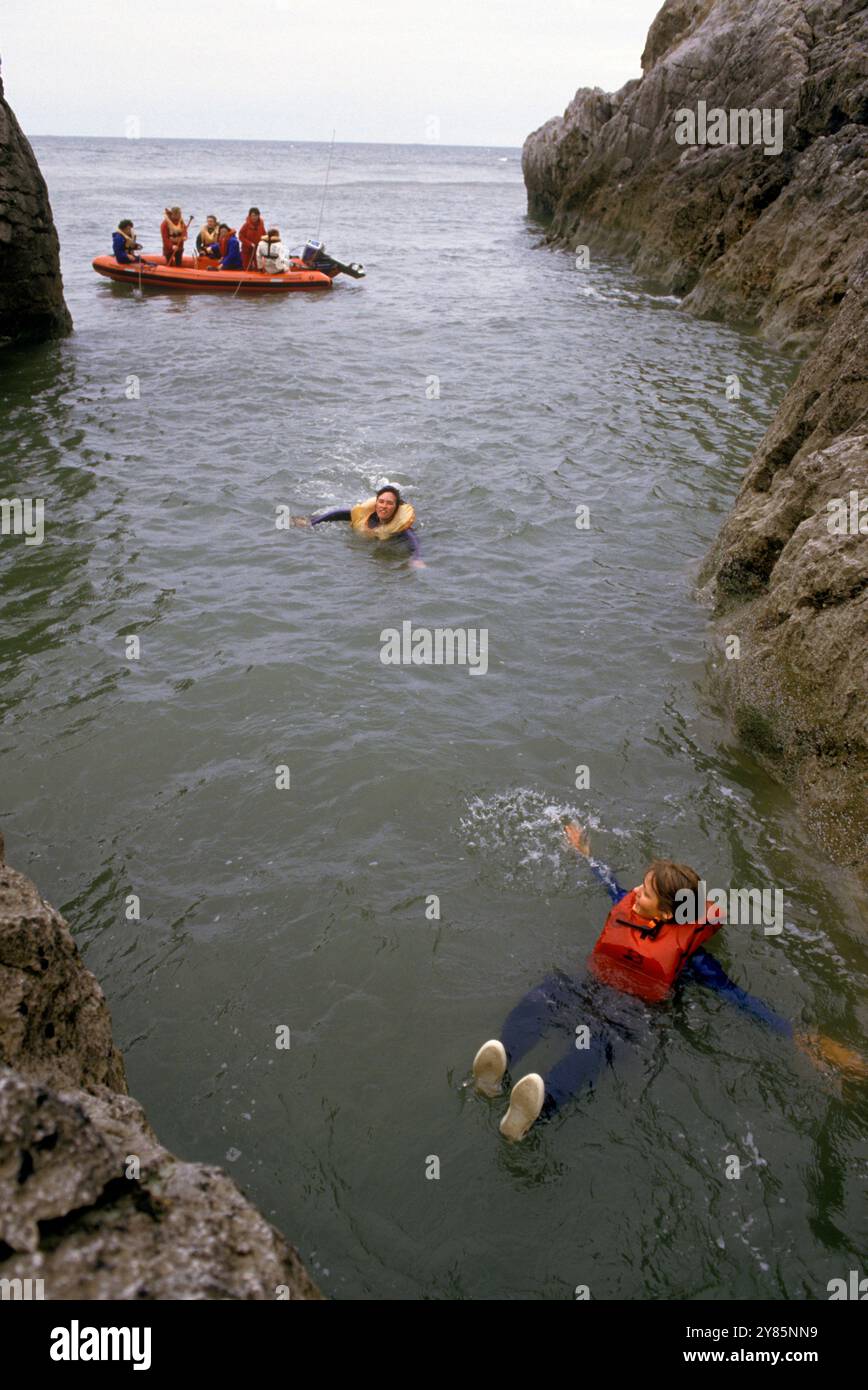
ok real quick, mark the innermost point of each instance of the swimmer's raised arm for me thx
(580, 841)
(578, 838)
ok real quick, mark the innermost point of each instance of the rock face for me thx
(778, 242)
(32, 307)
(90, 1201)
(789, 576)
(54, 1021)
(767, 239)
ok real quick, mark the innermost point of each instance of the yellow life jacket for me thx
(401, 521)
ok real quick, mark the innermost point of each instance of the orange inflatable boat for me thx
(197, 273)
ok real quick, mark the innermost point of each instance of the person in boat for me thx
(173, 230)
(383, 517)
(230, 249)
(124, 244)
(271, 254)
(251, 233)
(643, 950)
(208, 239)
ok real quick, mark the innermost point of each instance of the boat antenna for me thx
(325, 185)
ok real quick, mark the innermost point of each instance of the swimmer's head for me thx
(656, 894)
(388, 502)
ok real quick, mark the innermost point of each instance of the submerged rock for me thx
(32, 307)
(90, 1201)
(778, 241)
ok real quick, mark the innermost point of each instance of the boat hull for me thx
(155, 274)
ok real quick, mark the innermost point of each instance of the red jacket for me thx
(250, 235)
(638, 957)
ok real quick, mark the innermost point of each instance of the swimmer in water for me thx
(382, 518)
(643, 949)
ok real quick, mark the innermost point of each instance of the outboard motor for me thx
(311, 250)
(315, 257)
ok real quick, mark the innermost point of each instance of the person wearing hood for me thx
(271, 254)
(173, 230)
(251, 233)
(124, 244)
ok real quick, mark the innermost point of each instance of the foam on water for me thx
(520, 833)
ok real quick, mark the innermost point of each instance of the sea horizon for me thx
(258, 140)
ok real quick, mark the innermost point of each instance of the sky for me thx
(460, 72)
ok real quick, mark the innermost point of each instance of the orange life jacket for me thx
(646, 958)
(176, 231)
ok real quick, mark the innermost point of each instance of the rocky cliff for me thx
(768, 239)
(90, 1201)
(776, 241)
(32, 307)
(789, 576)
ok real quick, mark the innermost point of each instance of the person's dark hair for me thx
(389, 487)
(222, 225)
(211, 214)
(127, 222)
(252, 211)
(670, 878)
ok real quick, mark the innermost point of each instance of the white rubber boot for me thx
(525, 1104)
(489, 1066)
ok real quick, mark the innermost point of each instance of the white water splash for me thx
(521, 834)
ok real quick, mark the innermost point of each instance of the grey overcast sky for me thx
(466, 72)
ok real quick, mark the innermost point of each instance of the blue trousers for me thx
(564, 1003)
